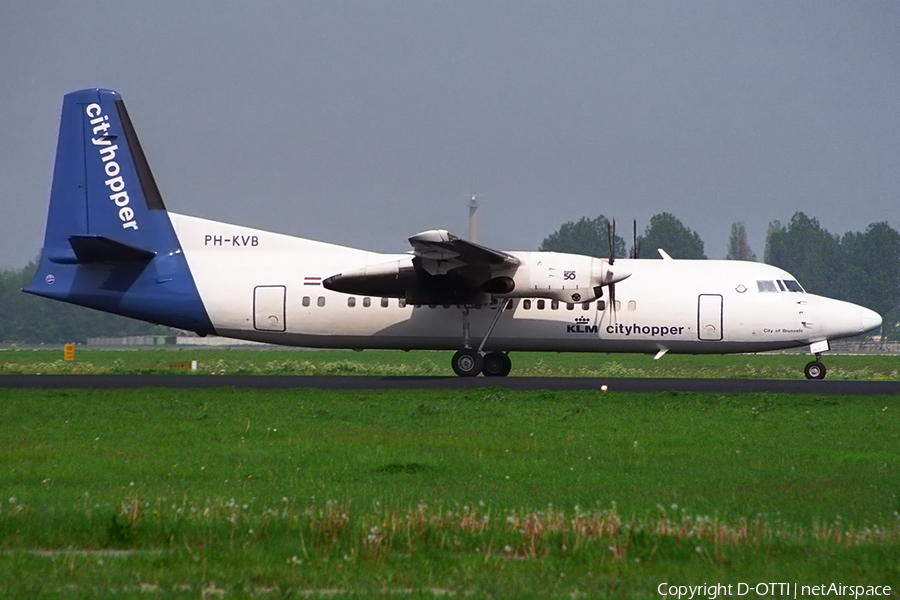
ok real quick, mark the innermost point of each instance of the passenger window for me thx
(766, 286)
(540, 304)
(554, 304)
(367, 302)
(618, 305)
(585, 306)
(321, 301)
(601, 305)
(401, 303)
(385, 302)
(570, 306)
(526, 304)
(305, 300)
(632, 305)
(509, 304)
(351, 301)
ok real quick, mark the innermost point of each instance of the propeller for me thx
(636, 245)
(604, 274)
(611, 236)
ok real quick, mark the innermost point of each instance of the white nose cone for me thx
(837, 319)
(869, 319)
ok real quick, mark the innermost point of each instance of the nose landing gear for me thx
(814, 370)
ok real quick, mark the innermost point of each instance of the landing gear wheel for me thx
(496, 364)
(467, 363)
(815, 370)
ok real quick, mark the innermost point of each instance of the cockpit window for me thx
(766, 286)
(780, 285)
(793, 286)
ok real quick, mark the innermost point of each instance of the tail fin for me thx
(109, 243)
(102, 184)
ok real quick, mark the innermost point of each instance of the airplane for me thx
(110, 244)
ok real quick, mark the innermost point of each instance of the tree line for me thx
(592, 237)
(859, 267)
(31, 319)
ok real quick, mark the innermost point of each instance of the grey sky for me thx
(363, 123)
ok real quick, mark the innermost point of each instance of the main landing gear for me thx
(469, 362)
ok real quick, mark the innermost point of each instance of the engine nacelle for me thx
(564, 277)
(401, 279)
(569, 278)
(500, 286)
(390, 279)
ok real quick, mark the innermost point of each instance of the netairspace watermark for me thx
(711, 591)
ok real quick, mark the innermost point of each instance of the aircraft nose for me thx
(869, 319)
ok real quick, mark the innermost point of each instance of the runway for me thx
(614, 384)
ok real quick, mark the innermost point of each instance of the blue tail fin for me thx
(109, 243)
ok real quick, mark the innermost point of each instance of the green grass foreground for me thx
(280, 361)
(483, 493)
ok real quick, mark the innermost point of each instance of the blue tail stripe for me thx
(109, 243)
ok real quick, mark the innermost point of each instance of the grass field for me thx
(388, 362)
(486, 493)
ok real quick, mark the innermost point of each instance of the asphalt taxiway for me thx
(613, 384)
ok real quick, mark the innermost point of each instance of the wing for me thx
(440, 252)
(442, 269)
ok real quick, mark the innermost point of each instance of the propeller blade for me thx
(611, 237)
(612, 301)
(635, 249)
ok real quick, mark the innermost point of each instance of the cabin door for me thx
(709, 317)
(268, 307)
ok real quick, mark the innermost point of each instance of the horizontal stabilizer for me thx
(99, 249)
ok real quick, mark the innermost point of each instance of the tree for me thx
(668, 233)
(808, 252)
(863, 268)
(34, 320)
(871, 274)
(738, 246)
(585, 236)
(890, 329)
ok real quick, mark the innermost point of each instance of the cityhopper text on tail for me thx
(110, 244)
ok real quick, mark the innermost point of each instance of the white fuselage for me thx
(264, 286)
